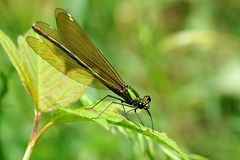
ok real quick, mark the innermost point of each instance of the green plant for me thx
(52, 91)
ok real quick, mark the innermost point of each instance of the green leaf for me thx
(9, 47)
(113, 118)
(52, 90)
(197, 157)
(48, 88)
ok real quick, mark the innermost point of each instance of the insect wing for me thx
(62, 62)
(79, 44)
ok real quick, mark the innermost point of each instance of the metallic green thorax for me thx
(130, 95)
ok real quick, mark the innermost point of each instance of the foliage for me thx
(185, 54)
(50, 91)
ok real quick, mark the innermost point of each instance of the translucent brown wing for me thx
(62, 62)
(75, 39)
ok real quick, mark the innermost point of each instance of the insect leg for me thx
(131, 111)
(105, 98)
(138, 117)
(151, 119)
(107, 108)
(124, 113)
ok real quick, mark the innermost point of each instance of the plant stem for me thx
(37, 119)
(32, 142)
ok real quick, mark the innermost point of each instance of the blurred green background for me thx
(184, 53)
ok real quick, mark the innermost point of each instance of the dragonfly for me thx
(70, 51)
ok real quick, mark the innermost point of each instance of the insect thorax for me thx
(130, 95)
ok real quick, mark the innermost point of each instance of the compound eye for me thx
(148, 98)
